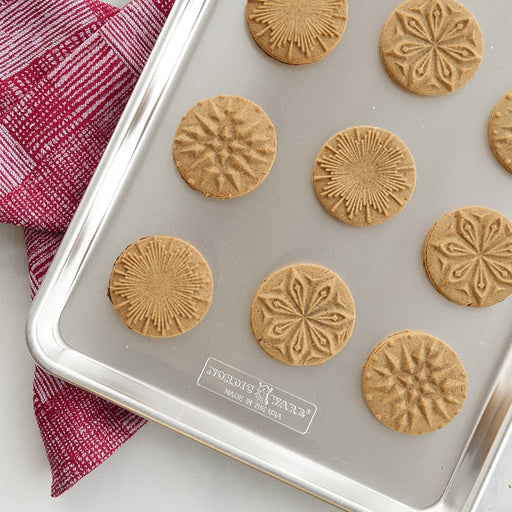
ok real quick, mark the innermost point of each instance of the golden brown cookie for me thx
(161, 286)
(297, 31)
(414, 383)
(364, 175)
(302, 314)
(500, 131)
(225, 146)
(468, 256)
(431, 47)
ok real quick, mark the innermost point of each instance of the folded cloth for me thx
(67, 68)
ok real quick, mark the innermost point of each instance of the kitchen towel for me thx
(67, 69)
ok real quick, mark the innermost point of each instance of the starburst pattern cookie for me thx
(225, 146)
(364, 175)
(500, 131)
(161, 286)
(414, 383)
(297, 31)
(302, 314)
(468, 256)
(431, 47)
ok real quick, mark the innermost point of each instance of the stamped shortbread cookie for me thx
(225, 146)
(414, 383)
(364, 175)
(161, 286)
(297, 31)
(500, 131)
(468, 256)
(431, 47)
(302, 314)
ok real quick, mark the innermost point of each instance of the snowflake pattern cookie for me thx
(302, 314)
(297, 31)
(468, 256)
(225, 146)
(161, 286)
(364, 175)
(431, 47)
(414, 383)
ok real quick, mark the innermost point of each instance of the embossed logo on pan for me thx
(297, 31)
(431, 47)
(364, 175)
(468, 256)
(302, 314)
(258, 396)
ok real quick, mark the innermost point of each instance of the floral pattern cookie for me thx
(302, 314)
(468, 256)
(431, 47)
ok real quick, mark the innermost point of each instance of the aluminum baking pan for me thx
(336, 450)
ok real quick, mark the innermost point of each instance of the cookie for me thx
(297, 31)
(431, 47)
(302, 314)
(161, 286)
(500, 131)
(364, 175)
(225, 146)
(467, 256)
(414, 383)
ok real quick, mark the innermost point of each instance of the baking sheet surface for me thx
(282, 222)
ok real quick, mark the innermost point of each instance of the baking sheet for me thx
(344, 455)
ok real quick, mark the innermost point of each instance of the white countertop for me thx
(155, 470)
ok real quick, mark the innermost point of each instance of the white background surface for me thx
(157, 469)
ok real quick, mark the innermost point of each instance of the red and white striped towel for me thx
(67, 68)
